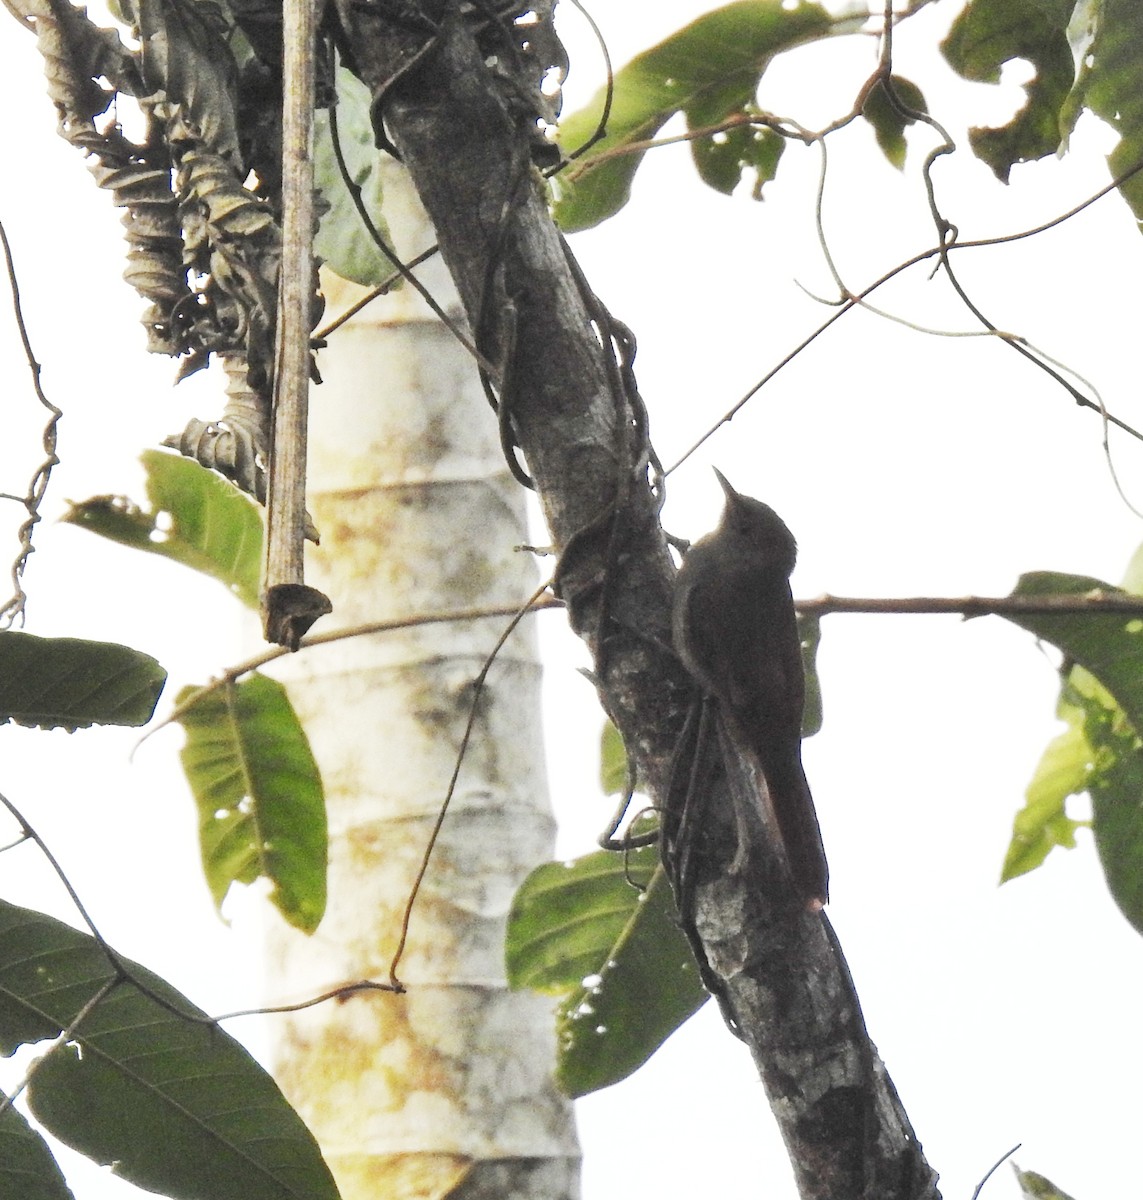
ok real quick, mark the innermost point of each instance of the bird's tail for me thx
(798, 824)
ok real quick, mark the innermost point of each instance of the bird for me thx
(735, 629)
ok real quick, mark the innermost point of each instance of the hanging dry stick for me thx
(289, 607)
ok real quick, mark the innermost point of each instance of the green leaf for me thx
(628, 974)
(888, 120)
(68, 683)
(1116, 787)
(723, 159)
(1109, 646)
(175, 1103)
(1108, 84)
(343, 242)
(260, 802)
(28, 1170)
(1043, 824)
(810, 636)
(1038, 1187)
(710, 70)
(612, 760)
(990, 33)
(195, 517)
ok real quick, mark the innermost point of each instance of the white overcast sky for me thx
(904, 463)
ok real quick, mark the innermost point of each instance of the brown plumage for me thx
(735, 629)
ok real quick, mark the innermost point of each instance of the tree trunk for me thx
(447, 1086)
(568, 401)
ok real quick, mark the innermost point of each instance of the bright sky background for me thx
(905, 464)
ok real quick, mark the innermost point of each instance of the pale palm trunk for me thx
(411, 1095)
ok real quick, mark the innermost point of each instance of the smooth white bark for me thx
(411, 1094)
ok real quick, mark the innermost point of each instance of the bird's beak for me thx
(731, 494)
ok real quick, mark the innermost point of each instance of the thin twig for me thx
(67, 1034)
(123, 974)
(38, 485)
(382, 289)
(608, 95)
(856, 299)
(338, 993)
(117, 963)
(993, 1169)
(231, 674)
(1095, 602)
(405, 271)
(784, 126)
(477, 688)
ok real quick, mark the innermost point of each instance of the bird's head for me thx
(758, 526)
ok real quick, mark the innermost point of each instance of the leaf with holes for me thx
(1111, 65)
(710, 71)
(69, 683)
(27, 1168)
(616, 954)
(149, 1085)
(259, 795)
(195, 517)
(990, 33)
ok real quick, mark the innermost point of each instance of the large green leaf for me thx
(990, 33)
(1102, 753)
(259, 795)
(175, 1103)
(68, 683)
(195, 517)
(1109, 645)
(343, 242)
(710, 70)
(1115, 784)
(28, 1171)
(617, 954)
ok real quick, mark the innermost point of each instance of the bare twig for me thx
(977, 606)
(118, 965)
(993, 1169)
(857, 298)
(477, 688)
(343, 992)
(67, 1034)
(403, 270)
(38, 485)
(382, 289)
(231, 674)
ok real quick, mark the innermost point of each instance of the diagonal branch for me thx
(459, 125)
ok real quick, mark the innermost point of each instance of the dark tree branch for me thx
(459, 129)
